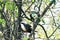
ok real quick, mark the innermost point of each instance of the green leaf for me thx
(1, 20)
(32, 0)
(10, 5)
(25, 38)
(0, 0)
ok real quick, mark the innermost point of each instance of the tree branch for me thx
(26, 11)
(55, 25)
(53, 32)
(44, 30)
(29, 7)
(45, 10)
(39, 8)
(25, 15)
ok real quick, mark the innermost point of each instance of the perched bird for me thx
(26, 27)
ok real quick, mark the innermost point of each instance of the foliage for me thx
(45, 17)
(25, 38)
(10, 6)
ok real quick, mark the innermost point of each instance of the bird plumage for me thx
(26, 27)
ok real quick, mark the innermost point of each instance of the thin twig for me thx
(39, 8)
(45, 10)
(29, 7)
(25, 15)
(54, 31)
(26, 11)
(44, 30)
(55, 25)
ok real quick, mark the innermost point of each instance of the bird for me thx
(26, 27)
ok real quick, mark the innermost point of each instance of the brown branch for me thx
(26, 11)
(39, 8)
(29, 7)
(25, 15)
(44, 30)
(45, 10)
(55, 25)
(53, 32)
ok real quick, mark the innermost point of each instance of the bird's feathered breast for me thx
(26, 27)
